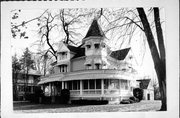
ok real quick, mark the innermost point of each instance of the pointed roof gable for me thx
(62, 47)
(79, 52)
(94, 30)
(120, 54)
(144, 83)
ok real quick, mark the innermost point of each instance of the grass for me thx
(59, 108)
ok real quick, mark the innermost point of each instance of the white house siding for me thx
(56, 69)
(151, 94)
(78, 64)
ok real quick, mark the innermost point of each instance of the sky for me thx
(18, 45)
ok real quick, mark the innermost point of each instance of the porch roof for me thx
(90, 74)
(52, 78)
(96, 76)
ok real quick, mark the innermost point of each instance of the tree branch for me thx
(25, 22)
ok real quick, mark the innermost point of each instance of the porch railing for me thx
(91, 92)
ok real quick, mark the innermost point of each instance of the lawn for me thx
(59, 108)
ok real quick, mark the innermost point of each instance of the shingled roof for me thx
(94, 30)
(77, 50)
(120, 54)
(144, 83)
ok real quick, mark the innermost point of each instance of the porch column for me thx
(50, 89)
(52, 93)
(80, 87)
(102, 86)
(62, 85)
(65, 85)
(120, 89)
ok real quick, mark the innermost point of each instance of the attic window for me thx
(96, 45)
(63, 53)
(88, 46)
(97, 66)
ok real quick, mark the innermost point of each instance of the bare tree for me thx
(158, 58)
(16, 68)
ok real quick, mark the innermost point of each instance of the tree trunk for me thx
(158, 63)
(162, 53)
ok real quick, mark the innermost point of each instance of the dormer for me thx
(125, 58)
(63, 53)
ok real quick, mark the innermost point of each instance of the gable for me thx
(94, 30)
(62, 47)
(144, 84)
(120, 54)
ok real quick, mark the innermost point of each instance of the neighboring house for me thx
(148, 90)
(22, 86)
(92, 71)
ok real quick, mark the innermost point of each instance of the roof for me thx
(144, 83)
(120, 54)
(78, 50)
(95, 30)
(88, 74)
(31, 72)
(51, 78)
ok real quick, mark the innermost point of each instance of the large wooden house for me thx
(24, 84)
(92, 71)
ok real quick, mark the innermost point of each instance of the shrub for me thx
(138, 93)
(125, 101)
(134, 99)
(89, 102)
(65, 96)
(34, 97)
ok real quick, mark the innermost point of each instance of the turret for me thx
(95, 47)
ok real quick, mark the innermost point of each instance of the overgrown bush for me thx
(134, 99)
(126, 101)
(65, 96)
(89, 102)
(34, 97)
(138, 93)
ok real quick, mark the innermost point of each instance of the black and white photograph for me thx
(101, 59)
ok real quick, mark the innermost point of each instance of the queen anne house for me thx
(92, 71)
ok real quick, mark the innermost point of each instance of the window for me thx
(63, 55)
(76, 85)
(88, 46)
(103, 45)
(114, 83)
(124, 84)
(85, 84)
(97, 66)
(88, 66)
(63, 68)
(69, 85)
(96, 46)
(91, 84)
(106, 83)
(21, 88)
(98, 84)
